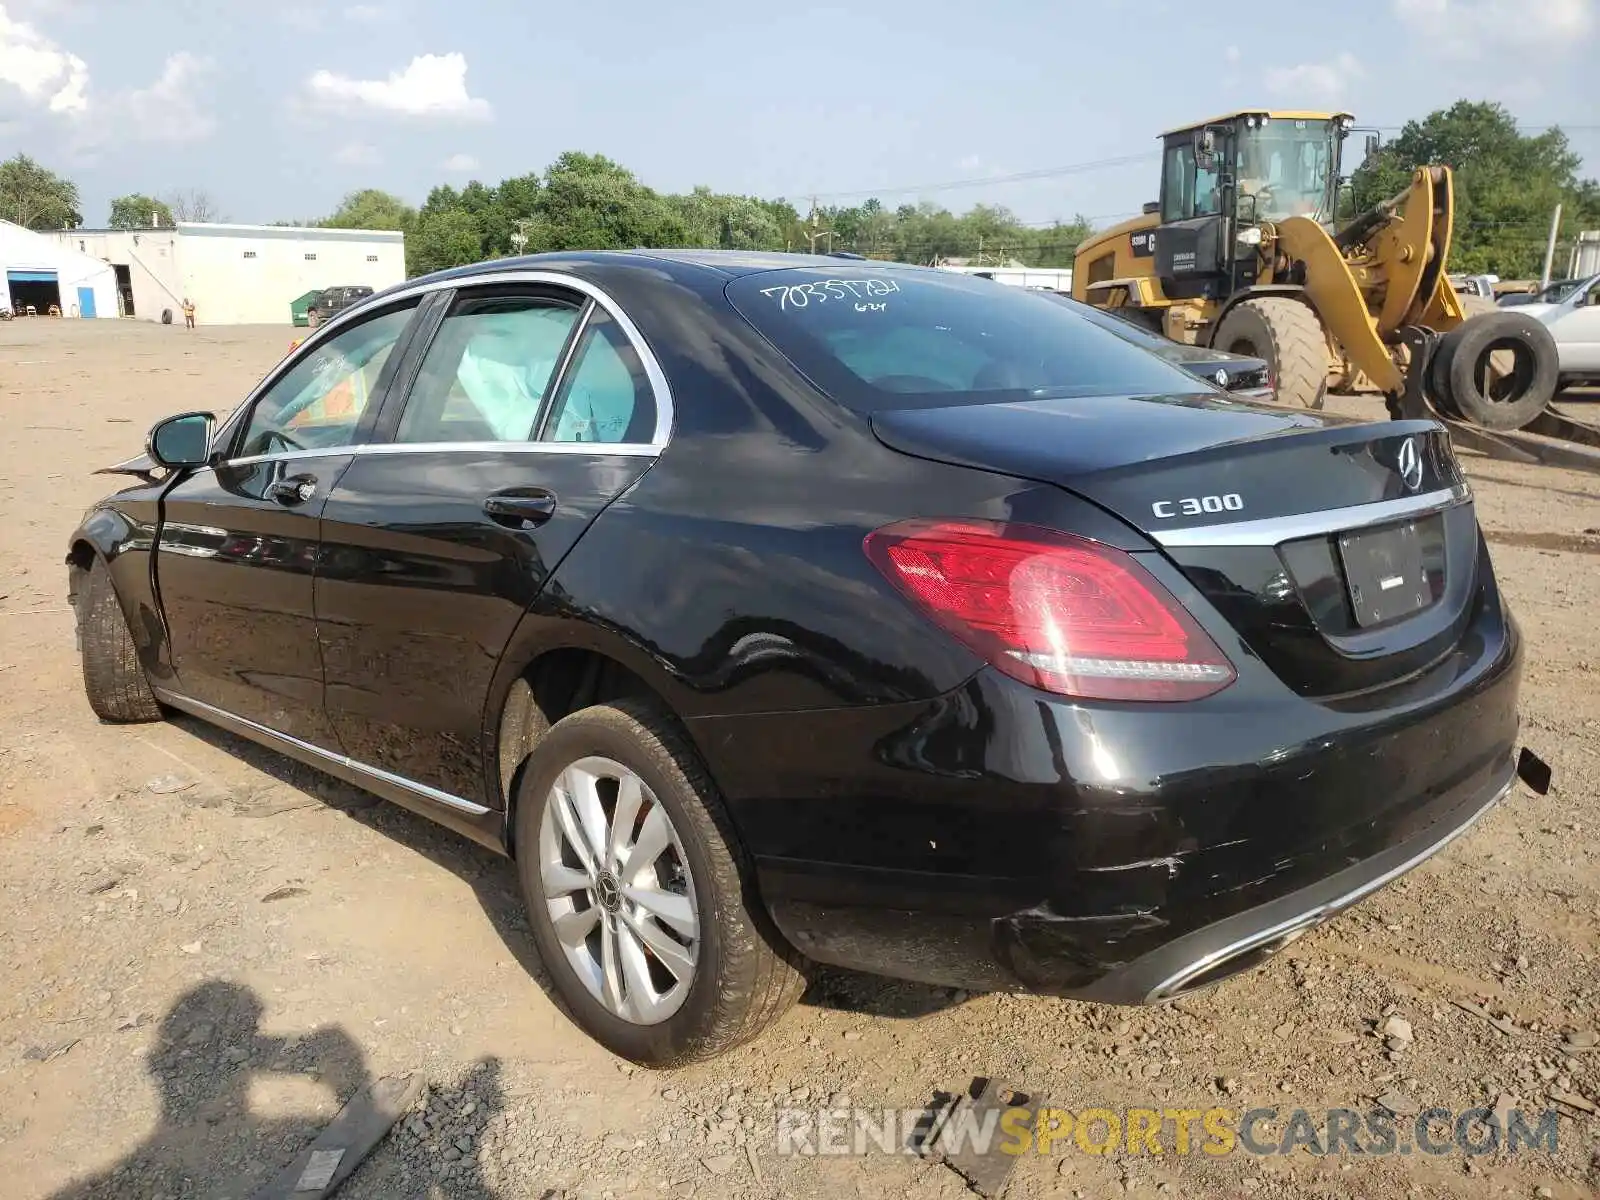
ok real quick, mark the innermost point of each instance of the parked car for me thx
(1247, 377)
(330, 302)
(1553, 294)
(1574, 322)
(773, 610)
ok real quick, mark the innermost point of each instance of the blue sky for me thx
(277, 109)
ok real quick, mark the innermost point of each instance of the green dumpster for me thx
(298, 308)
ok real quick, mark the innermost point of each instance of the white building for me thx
(237, 274)
(37, 272)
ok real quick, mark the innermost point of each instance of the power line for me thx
(1016, 177)
(1102, 164)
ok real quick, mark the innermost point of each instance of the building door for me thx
(33, 289)
(86, 302)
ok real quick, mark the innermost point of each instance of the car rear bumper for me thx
(1038, 950)
(999, 838)
(1238, 943)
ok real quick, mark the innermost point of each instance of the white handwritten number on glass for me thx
(800, 295)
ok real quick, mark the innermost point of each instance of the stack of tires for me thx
(1497, 369)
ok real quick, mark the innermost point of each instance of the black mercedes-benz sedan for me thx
(774, 610)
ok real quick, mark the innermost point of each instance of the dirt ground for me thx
(207, 948)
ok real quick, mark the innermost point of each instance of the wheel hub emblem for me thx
(608, 891)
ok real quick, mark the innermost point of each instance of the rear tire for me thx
(738, 974)
(113, 680)
(1499, 389)
(1288, 335)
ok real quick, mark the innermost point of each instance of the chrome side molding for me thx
(315, 755)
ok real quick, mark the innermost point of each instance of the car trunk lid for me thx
(1344, 553)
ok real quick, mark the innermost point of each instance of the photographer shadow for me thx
(205, 1056)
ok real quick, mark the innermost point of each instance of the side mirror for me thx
(181, 441)
(1247, 208)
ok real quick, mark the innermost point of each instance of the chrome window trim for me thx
(1273, 531)
(200, 708)
(665, 407)
(620, 449)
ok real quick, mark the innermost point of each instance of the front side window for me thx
(877, 338)
(485, 375)
(1177, 199)
(319, 402)
(1191, 189)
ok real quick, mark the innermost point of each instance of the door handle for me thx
(521, 510)
(296, 489)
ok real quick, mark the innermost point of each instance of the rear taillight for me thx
(1058, 612)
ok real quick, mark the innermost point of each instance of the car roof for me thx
(728, 264)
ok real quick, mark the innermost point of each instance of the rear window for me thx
(877, 338)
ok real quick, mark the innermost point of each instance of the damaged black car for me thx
(773, 610)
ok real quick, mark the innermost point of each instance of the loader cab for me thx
(1222, 180)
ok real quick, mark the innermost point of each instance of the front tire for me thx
(640, 898)
(113, 680)
(1288, 335)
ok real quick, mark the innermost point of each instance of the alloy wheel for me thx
(618, 890)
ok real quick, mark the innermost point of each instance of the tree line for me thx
(588, 201)
(1507, 185)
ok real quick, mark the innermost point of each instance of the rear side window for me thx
(886, 338)
(606, 396)
(484, 377)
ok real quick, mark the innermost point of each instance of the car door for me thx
(530, 412)
(237, 547)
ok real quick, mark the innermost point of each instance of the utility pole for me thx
(1550, 248)
(814, 233)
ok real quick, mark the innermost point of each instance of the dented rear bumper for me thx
(999, 838)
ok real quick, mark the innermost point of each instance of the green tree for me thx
(447, 237)
(592, 203)
(37, 198)
(371, 208)
(1507, 184)
(133, 212)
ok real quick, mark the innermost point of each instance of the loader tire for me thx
(1498, 370)
(1289, 336)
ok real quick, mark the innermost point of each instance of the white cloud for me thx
(170, 109)
(1471, 29)
(55, 82)
(460, 163)
(46, 75)
(431, 85)
(1316, 83)
(365, 12)
(357, 154)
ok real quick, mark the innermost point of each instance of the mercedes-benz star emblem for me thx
(608, 891)
(1409, 463)
(1222, 379)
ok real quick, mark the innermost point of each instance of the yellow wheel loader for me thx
(1241, 253)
